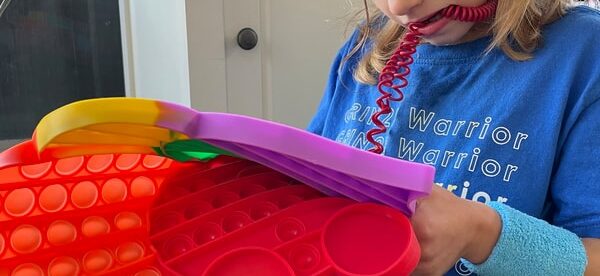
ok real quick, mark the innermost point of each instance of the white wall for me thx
(155, 49)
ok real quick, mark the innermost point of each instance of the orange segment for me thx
(97, 111)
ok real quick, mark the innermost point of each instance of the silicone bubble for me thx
(262, 209)
(2, 244)
(142, 186)
(304, 257)
(129, 252)
(128, 220)
(36, 171)
(99, 163)
(387, 244)
(61, 232)
(177, 245)
(114, 190)
(235, 220)
(207, 232)
(19, 202)
(53, 198)
(97, 261)
(148, 272)
(68, 166)
(153, 161)
(26, 239)
(84, 194)
(126, 162)
(95, 226)
(63, 266)
(28, 269)
(290, 228)
(249, 261)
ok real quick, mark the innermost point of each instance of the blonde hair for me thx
(515, 29)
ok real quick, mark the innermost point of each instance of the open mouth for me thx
(435, 17)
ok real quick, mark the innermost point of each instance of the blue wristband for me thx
(530, 246)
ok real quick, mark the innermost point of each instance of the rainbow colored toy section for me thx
(140, 187)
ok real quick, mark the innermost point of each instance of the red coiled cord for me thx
(472, 14)
(397, 67)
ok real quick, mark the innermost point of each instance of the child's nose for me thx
(402, 7)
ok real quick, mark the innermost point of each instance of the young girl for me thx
(507, 110)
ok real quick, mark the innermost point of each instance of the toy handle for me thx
(122, 125)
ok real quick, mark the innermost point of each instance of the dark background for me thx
(54, 52)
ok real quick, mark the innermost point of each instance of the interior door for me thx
(303, 38)
(283, 76)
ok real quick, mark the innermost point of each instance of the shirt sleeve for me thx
(317, 123)
(575, 187)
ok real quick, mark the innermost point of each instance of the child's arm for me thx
(502, 240)
(531, 246)
(592, 247)
(558, 249)
(467, 229)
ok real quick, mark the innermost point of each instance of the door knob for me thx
(247, 38)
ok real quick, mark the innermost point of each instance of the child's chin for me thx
(452, 34)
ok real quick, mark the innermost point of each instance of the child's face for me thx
(441, 32)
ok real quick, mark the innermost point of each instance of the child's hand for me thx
(449, 227)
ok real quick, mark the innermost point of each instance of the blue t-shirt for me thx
(523, 133)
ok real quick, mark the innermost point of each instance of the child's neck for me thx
(479, 30)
